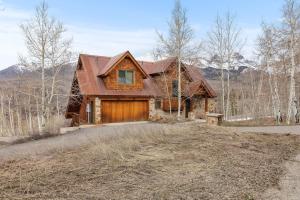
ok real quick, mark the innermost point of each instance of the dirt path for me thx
(289, 186)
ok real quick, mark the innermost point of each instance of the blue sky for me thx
(111, 26)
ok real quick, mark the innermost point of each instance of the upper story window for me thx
(125, 76)
(175, 88)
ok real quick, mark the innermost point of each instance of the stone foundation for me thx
(152, 110)
(198, 110)
(97, 110)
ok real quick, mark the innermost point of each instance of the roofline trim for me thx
(127, 53)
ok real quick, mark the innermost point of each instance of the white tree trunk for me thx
(292, 96)
(228, 94)
(179, 87)
(11, 117)
(168, 93)
(276, 96)
(271, 89)
(223, 89)
(43, 93)
(38, 116)
(19, 118)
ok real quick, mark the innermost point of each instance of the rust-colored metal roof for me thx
(198, 81)
(194, 88)
(110, 63)
(157, 67)
(116, 59)
(91, 84)
(94, 66)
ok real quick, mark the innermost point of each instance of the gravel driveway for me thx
(70, 140)
(271, 129)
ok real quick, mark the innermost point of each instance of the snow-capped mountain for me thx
(13, 71)
(211, 69)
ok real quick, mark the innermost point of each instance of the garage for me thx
(124, 110)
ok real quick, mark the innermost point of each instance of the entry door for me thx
(187, 107)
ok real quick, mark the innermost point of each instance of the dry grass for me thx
(181, 161)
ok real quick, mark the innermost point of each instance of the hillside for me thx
(17, 71)
(209, 70)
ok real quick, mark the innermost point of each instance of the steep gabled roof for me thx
(158, 66)
(92, 66)
(116, 60)
(91, 84)
(198, 81)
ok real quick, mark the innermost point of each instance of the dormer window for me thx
(125, 76)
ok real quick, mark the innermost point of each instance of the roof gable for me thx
(91, 66)
(114, 61)
(158, 66)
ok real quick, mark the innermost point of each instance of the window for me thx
(157, 104)
(125, 77)
(175, 88)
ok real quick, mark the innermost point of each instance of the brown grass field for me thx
(181, 161)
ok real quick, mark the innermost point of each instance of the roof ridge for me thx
(97, 56)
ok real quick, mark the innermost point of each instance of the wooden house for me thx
(121, 89)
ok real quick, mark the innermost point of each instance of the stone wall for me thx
(97, 110)
(199, 106)
(152, 111)
(212, 105)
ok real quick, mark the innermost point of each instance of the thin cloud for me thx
(10, 34)
(112, 42)
(86, 39)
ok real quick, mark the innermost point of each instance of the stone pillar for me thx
(212, 105)
(97, 110)
(151, 108)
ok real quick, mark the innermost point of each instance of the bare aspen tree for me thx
(267, 46)
(168, 92)
(47, 50)
(30, 115)
(224, 41)
(18, 115)
(59, 55)
(178, 44)
(216, 47)
(259, 93)
(291, 17)
(11, 116)
(36, 32)
(233, 44)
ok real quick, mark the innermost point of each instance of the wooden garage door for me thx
(124, 111)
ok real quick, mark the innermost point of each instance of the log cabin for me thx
(122, 89)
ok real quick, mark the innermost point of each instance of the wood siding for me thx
(124, 110)
(164, 80)
(111, 80)
(174, 104)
